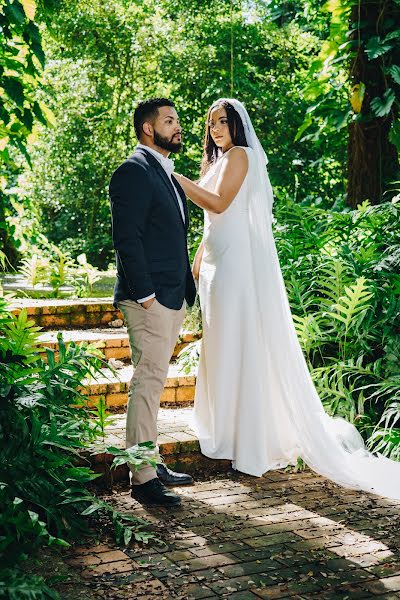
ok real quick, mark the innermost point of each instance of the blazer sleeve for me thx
(130, 198)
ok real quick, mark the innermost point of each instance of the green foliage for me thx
(341, 274)
(88, 274)
(97, 83)
(188, 358)
(21, 64)
(59, 270)
(44, 424)
(353, 37)
(134, 455)
(33, 269)
(101, 418)
(16, 585)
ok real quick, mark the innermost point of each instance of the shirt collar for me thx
(166, 163)
(158, 155)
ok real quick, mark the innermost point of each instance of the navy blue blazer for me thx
(149, 234)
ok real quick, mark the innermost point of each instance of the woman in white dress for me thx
(255, 402)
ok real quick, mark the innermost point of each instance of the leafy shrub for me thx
(341, 269)
(34, 269)
(43, 425)
(51, 266)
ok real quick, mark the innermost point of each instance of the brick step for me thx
(68, 314)
(113, 342)
(178, 445)
(178, 391)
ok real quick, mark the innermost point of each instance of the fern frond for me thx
(353, 304)
(308, 331)
(331, 281)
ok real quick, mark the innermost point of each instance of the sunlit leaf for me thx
(29, 8)
(48, 113)
(305, 125)
(357, 96)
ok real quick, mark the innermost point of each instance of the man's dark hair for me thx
(148, 111)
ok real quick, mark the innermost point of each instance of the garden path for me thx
(286, 535)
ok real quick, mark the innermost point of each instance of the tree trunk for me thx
(7, 243)
(372, 159)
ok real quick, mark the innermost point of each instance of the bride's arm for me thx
(197, 260)
(231, 177)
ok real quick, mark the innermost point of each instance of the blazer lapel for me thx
(184, 200)
(160, 171)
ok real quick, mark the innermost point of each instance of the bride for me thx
(255, 401)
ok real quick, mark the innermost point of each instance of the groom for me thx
(149, 222)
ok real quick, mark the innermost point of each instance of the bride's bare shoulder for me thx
(237, 156)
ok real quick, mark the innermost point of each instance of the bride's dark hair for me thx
(236, 130)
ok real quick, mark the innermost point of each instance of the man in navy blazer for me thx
(154, 279)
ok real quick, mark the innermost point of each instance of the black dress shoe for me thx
(154, 493)
(168, 477)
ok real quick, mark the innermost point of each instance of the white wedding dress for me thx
(255, 401)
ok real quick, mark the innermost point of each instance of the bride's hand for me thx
(178, 176)
(183, 182)
(196, 270)
(197, 261)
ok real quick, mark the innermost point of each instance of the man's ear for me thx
(147, 129)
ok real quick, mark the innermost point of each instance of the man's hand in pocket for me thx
(148, 303)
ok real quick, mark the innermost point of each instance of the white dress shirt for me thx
(169, 167)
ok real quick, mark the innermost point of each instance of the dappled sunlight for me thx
(276, 537)
(316, 530)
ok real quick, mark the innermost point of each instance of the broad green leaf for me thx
(14, 89)
(92, 509)
(382, 106)
(392, 35)
(16, 11)
(305, 125)
(376, 47)
(128, 533)
(394, 134)
(48, 113)
(394, 72)
(339, 119)
(35, 42)
(39, 113)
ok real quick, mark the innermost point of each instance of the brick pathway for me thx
(287, 535)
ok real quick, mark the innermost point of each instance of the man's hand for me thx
(148, 303)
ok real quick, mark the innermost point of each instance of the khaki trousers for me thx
(152, 337)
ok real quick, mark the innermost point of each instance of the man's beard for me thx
(166, 143)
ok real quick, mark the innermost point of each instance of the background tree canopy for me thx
(102, 58)
(320, 80)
